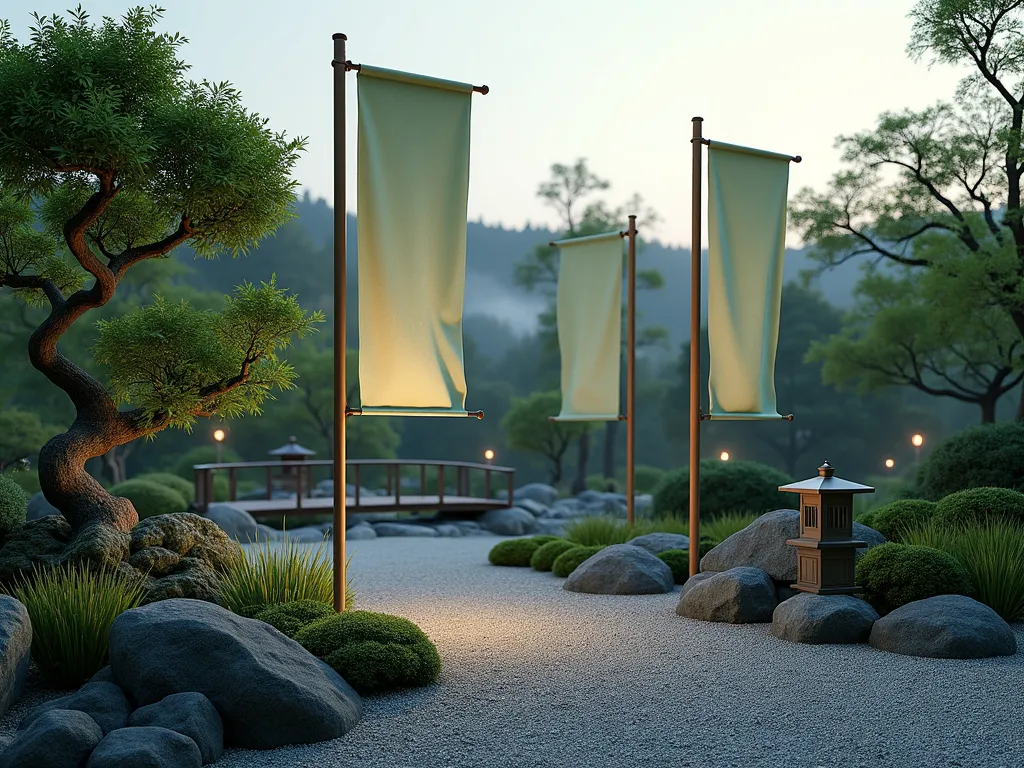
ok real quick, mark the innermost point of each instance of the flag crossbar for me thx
(352, 67)
(747, 150)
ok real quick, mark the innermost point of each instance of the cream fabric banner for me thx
(746, 243)
(589, 317)
(412, 196)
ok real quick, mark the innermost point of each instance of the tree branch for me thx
(47, 286)
(132, 256)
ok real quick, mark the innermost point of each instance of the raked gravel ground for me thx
(536, 676)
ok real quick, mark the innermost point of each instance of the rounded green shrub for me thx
(679, 561)
(646, 479)
(373, 651)
(894, 519)
(13, 506)
(544, 557)
(150, 499)
(568, 561)
(172, 481)
(725, 486)
(894, 574)
(289, 618)
(705, 545)
(980, 505)
(517, 552)
(986, 456)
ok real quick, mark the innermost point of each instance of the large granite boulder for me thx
(762, 544)
(360, 532)
(737, 596)
(190, 714)
(146, 747)
(403, 529)
(268, 689)
(944, 627)
(60, 738)
(15, 645)
(820, 619)
(509, 522)
(621, 569)
(238, 524)
(656, 543)
(103, 702)
(539, 492)
(39, 507)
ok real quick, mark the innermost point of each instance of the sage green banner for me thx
(747, 192)
(412, 197)
(589, 317)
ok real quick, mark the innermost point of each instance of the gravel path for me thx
(537, 676)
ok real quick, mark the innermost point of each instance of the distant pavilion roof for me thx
(291, 449)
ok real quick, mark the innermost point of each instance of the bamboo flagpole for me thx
(340, 345)
(631, 371)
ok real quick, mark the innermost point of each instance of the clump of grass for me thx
(605, 531)
(725, 525)
(71, 609)
(280, 572)
(992, 553)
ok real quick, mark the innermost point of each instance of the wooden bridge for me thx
(450, 490)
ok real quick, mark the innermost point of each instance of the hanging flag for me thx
(412, 197)
(747, 191)
(589, 317)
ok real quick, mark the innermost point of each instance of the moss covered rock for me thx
(568, 561)
(373, 651)
(544, 557)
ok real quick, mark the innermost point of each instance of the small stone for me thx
(403, 529)
(150, 747)
(105, 703)
(820, 619)
(508, 522)
(190, 714)
(656, 543)
(59, 738)
(360, 532)
(737, 596)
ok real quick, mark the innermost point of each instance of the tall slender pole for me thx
(631, 370)
(695, 292)
(340, 288)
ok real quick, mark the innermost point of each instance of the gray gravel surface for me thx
(537, 676)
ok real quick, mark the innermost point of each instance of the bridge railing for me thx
(299, 474)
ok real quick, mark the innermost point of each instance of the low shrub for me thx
(897, 517)
(289, 618)
(71, 609)
(980, 505)
(721, 527)
(725, 486)
(646, 479)
(27, 480)
(13, 506)
(150, 499)
(894, 574)
(544, 556)
(172, 481)
(992, 553)
(517, 552)
(705, 545)
(986, 456)
(273, 573)
(679, 561)
(568, 561)
(374, 652)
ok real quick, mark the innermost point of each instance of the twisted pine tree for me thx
(110, 157)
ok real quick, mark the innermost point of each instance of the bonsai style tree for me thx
(110, 158)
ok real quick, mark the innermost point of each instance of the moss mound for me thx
(991, 455)
(517, 552)
(13, 507)
(289, 618)
(725, 486)
(894, 519)
(894, 574)
(373, 651)
(545, 555)
(679, 561)
(980, 506)
(172, 481)
(568, 561)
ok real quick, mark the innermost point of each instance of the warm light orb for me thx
(219, 435)
(724, 455)
(889, 463)
(917, 440)
(488, 454)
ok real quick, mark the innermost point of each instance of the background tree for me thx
(567, 191)
(925, 188)
(121, 160)
(22, 434)
(527, 428)
(924, 330)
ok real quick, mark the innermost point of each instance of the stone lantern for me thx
(826, 549)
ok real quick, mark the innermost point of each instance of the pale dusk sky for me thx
(615, 82)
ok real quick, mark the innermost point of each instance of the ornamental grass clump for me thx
(516, 553)
(894, 574)
(289, 618)
(374, 652)
(605, 531)
(993, 555)
(721, 527)
(71, 608)
(545, 555)
(569, 561)
(273, 573)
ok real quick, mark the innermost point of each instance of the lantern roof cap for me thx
(291, 449)
(827, 482)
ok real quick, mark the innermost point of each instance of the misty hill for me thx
(302, 258)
